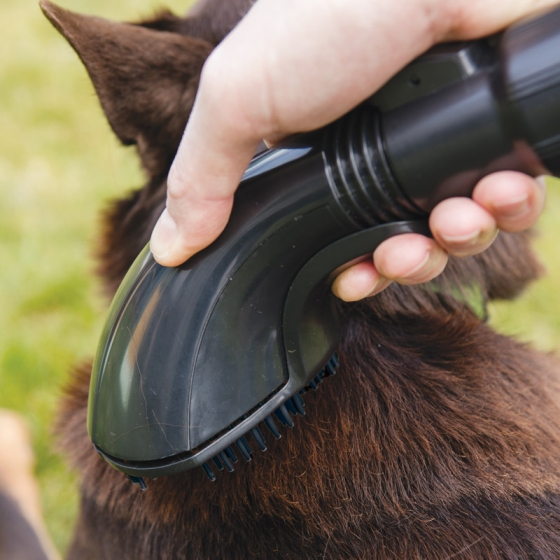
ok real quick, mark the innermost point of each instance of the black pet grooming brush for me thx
(193, 359)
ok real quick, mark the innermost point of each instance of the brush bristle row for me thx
(292, 406)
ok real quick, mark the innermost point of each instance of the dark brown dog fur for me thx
(439, 438)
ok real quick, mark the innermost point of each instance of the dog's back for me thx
(439, 438)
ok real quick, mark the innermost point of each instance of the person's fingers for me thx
(507, 200)
(514, 199)
(408, 259)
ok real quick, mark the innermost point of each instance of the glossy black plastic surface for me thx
(191, 349)
(309, 332)
(195, 356)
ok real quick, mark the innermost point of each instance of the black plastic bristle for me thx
(290, 406)
(209, 472)
(332, 364)
(225, 460)
(272, 426)
(218, 463)
(313, 385)
(137, 480)
(299, 404)
(231, 454)
(258, 437)
(244, 448)
(284, 416)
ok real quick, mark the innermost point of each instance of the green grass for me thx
(59, 162)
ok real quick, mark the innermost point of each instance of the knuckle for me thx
(234, 97)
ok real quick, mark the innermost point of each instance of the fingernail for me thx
(466, 239)
(469, 244)
(432, 264)
(163, 236)
(379, 286)
(513, 208)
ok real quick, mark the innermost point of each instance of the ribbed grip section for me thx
(359, 174)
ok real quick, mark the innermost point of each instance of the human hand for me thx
(297, 65)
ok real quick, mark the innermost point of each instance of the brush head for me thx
(183, 366)
(189, 352)
(193, 358)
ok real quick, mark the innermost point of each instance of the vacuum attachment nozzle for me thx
(194, 358)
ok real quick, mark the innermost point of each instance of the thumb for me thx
(204, 176)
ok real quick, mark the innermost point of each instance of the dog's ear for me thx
(146, 79)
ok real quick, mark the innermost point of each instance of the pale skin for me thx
(296, 65)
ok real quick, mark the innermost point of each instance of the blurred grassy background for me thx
(58, 163)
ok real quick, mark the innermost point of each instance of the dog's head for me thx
(146, 76)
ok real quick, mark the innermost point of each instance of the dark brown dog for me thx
(438, 439)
